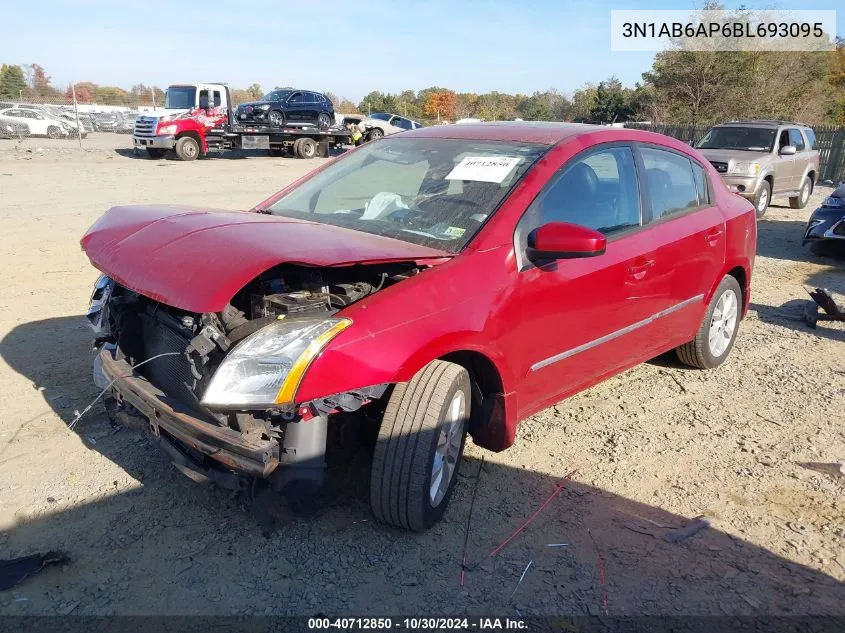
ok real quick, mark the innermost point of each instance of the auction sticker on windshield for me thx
(484, 168)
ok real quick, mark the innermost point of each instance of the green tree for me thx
(12, 82)
(612, 103)
(255, 92)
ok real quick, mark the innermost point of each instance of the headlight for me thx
(166, 129)
(745, 169)
(830, 201)
(265, 107)
(265, 368)
(98, 307)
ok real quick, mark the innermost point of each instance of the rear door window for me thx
(701, 187)
(811, 138)
(796, 139)
(670, 182)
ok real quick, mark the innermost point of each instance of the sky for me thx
(349, 48)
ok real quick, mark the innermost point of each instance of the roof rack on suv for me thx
(771, 121)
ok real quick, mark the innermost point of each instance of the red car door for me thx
(689, 234)
(579, 317)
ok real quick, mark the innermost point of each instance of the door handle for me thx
(639, 271)
(713, 236)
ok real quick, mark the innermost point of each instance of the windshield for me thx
(753, 139)
(432, 192)
(381, 116)
(276, 95)
(183, 98)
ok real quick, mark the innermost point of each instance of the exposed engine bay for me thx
(193, 345)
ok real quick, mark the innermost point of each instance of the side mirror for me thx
(787, 150)
(561, 240)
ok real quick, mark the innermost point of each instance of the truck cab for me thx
(188, 123)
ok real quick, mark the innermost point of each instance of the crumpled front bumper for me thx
(170, 421)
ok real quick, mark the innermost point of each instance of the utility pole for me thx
(153, 93)
(76, 110)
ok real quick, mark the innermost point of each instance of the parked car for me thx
(108, 121)
(37, 123)
(288, 107)
(825, 232)
(383, 124)
(764, 160)
(125, 123)
(10, 128)
(449, 280)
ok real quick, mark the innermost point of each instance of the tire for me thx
(763, 198)
(54, 132)
(415, 422)
(187, 148)
(324, 120)
(375, 134)
(800, 201)
(156, 152)
(276, 118)
(703, 351)
(306, 148)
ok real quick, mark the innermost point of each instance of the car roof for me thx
(541, 132)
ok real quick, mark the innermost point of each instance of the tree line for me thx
(681, 87)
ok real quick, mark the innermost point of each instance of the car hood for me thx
(735, 155)
(257, 103)
(197, 259)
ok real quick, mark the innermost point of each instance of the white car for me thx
(380, 124)
(38, 124)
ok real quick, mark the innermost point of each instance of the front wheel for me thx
(420, 446)
(187, 148)
(375, 134)
(716, 335)
(762, 199)
(54, 132)
(800, 201)
(276, 118)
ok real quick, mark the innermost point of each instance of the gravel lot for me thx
(752, 446)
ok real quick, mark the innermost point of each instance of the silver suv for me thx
(763, 160)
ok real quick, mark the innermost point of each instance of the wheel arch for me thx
(196, 136)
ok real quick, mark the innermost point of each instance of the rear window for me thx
(670, 182)
(811, 138)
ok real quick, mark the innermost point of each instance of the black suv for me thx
(288, 107)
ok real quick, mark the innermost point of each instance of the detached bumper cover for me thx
(258, 458)
(157, 142)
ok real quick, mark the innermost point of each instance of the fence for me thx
(830, 141)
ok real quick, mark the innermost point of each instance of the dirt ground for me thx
(753, 446)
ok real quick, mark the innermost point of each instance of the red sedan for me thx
(446, 281)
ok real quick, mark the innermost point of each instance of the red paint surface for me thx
(477, 301)
(197, 260)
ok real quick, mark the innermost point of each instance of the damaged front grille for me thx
(172, 374)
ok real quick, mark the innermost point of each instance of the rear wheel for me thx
(306, 148)
(53, 132)
(800, 201)
(717, 333)
(762, 199)
(420, 445)
(156, 152)
(187, 148)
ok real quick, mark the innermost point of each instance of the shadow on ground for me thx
(232, 154)
(171, 546)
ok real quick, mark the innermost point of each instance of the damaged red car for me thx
(445, 281)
